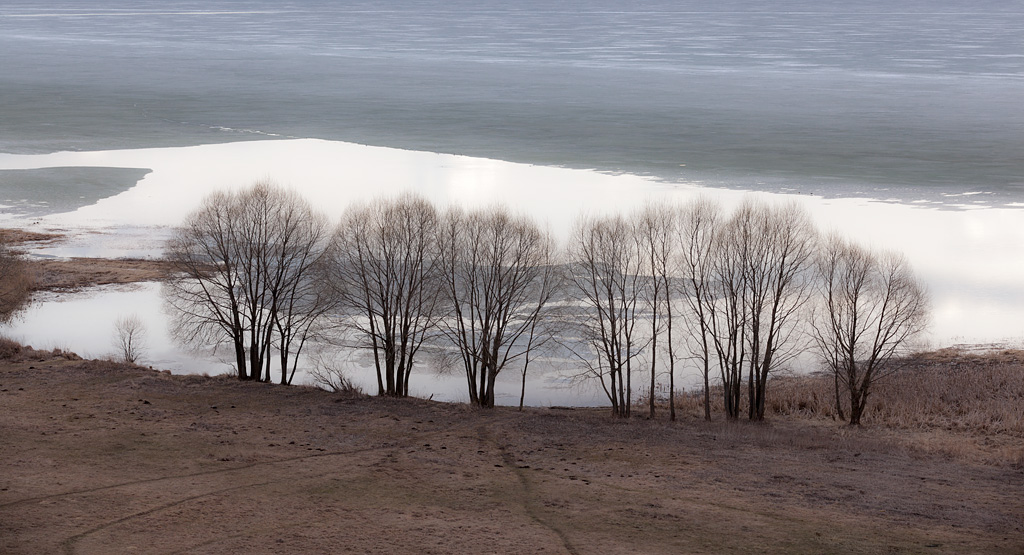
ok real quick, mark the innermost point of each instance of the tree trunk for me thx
(615, 393)
(522, 390)
(240, 359)
(707, 390)
(654, 355)
(856, 408)
(839, 401)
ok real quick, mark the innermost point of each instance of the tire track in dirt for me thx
(527, 498)
(191, 475)
(68, 544)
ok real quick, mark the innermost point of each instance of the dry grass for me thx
(952, 402)
(948, 389)
(12, 351)
(9, 349)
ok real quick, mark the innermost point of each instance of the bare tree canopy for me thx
(778, 249)
(384, 276)
(699, 223)
(656, 228)
(258, 270)
(870, 308)
(605, 272)
(756, 288)
(295, 273)
(497, 274)
(130, 338)
(246, 266)
(15, 283)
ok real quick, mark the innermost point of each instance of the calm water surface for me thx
(907, 99)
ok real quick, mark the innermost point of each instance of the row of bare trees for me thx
(749, 291)
(259, 269)
(734, 295)
(472, 284)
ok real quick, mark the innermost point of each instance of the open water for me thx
(902, 100)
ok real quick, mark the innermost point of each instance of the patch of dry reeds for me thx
(9, 349)
(12, 351)
(948, 389)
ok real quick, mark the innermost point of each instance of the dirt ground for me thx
(79, 273)
(99, 457)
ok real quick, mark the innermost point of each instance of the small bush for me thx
(9, 349)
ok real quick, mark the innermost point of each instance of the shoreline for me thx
(77, 273)
(74, 289)
(972, 259)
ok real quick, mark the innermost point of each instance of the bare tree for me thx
(543, 327)
(497, 272)
(725, 304)
(871, 306)
(778, 248)
(295, 273)
(383, 273)
(15, 283)
(699, 224)
(130, 338)
(605, 265)
(205, 294)
(655, 227)
(761, 279)
(241, 261)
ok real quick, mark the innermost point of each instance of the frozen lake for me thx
(896, 124)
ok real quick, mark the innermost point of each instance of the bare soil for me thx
(101, 457)
(79, 273)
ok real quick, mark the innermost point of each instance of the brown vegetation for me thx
(103, 457)
(947, 389)
(952, 401)
(15, 282)
(19, 237)
(70, 274)
(79, 273)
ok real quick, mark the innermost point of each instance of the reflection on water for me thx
(972, 259)
(84, 323)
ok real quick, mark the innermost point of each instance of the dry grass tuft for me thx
(13, 351)
(9, 349)
(952, 402)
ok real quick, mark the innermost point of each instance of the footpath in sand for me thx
(99, 457)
